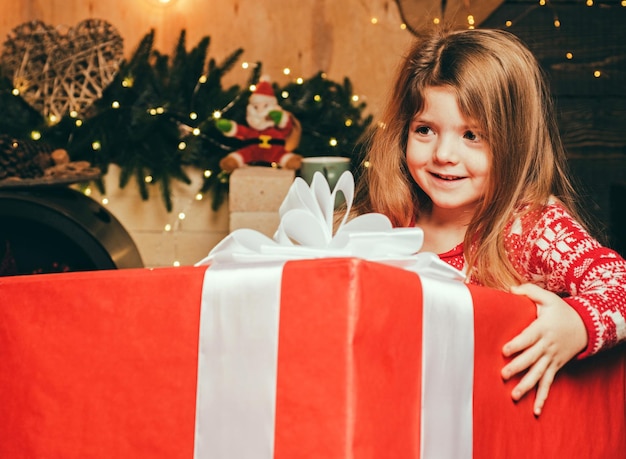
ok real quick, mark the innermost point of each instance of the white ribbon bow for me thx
(306, 231)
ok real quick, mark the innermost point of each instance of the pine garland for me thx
(157, 117)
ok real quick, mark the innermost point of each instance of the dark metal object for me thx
(62, 226)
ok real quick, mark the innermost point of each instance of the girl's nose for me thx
(445, 151)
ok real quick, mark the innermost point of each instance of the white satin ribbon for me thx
(447, 370)
(237, 362)
(239, 321)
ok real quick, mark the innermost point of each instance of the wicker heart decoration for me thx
(57, 73)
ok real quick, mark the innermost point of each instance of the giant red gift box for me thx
(104, 364)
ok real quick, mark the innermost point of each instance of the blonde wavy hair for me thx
(498, 84)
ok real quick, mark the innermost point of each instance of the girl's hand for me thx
(549, 342)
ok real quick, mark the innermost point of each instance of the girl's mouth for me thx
(446, 177)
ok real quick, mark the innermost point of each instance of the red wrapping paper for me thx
(99, 364)
(103, 364)
(584, 416)
(353, 342)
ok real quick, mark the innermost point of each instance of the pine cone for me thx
(23, 158)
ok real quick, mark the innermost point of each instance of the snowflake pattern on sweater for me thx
(552, 250)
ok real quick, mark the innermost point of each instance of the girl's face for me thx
(448, 155)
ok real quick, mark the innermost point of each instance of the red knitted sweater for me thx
(553, 251)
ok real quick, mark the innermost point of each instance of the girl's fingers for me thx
(528, 337)
(550, 341)
(543, 389)
(535, 293)
(523, 361)
(531, 378)
(531, 334)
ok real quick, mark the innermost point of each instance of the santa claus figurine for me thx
(270, 136)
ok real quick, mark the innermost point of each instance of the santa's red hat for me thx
(263, 89)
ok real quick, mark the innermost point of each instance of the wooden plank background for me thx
(306, 36)
(591, 110)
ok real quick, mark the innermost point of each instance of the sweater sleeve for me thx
(563, 258)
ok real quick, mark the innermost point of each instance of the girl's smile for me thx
(447, 155)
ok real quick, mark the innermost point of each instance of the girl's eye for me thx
(470, 135)
(422, 130)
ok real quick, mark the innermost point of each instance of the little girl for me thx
(468, 149)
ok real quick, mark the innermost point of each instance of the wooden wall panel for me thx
(306, 36)
(593, 126)
(591, 110)
(596, 37)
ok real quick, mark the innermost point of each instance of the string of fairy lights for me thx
(187, 207)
